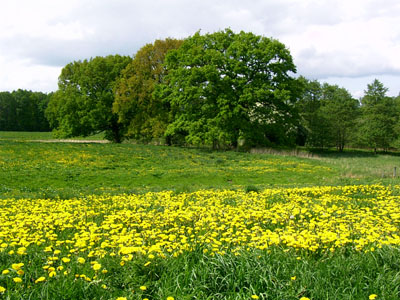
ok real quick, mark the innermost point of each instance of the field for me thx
(107, 221)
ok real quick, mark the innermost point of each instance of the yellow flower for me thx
(143, 288)
(81, 260)
(40, 279)
(17, 279)
(255, 297)
(104, 286)
(5, 272)
(148, 263)
(304, 298)
(52, 274)
(373, 296)
(2, 289)
(121, 298)
(96, 266)
(170, 298)
(65, 259)
(16, 267)
(293, 278)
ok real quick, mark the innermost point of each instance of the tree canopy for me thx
(23, 110)
(225, 87)
(82, 105)
(144, 115)
(380, 116)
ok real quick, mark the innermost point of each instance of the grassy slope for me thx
(30, 169)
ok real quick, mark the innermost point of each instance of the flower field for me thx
(84, 243)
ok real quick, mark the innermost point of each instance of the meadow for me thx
(108, 221)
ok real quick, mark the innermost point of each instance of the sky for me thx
(345, 42)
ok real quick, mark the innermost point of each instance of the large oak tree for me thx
(225, 87)
(82, 105)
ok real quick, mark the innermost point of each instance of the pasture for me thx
(108, 221)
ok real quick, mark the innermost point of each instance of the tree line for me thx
(23, 110)
(221, 90)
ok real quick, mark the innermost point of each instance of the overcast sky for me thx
(344, 42)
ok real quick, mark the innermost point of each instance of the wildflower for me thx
(373, 296)
(40, 279)
(52, 274)
(143, 288)
(16, 267)
(2, 289)
(96, 266)
(5, 272)
(255, 297)
(170, 298)
(304, 298)
(148, 263)
(293, 278)
(17, 279)
(81, 260)
(20, 272)
(104, 286)
(65, 259)
(121, 298)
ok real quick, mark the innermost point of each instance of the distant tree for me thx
(379, 116)
(340, 111)
(312, 118)
(144, 115)
(328, 113)
(8, 112)
(23, 110)
(82, 105)
(225, 87)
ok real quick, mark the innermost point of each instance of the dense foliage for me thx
(226, 87)
(144, 115)
(218, 90)
(82, 105)
(23, 110)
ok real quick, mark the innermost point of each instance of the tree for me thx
(313, 120)
(144, 115)
(23, 110)
(379, 116)
(226, 87)
(82, 105)
(340, 111)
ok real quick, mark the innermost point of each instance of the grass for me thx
(32, 169)
(56, 171)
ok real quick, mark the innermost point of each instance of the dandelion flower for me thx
(255, 297)
(65, 259)
(373, 296)
(52, 274)
(97, 267)
(121, 298)
(16, 267)
(293, 278)
(170, 298)
(17, 279)
(81, 260)
(2, 289)
(143, 288)
(40, 279)
(5, 272)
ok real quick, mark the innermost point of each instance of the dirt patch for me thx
(73, 141)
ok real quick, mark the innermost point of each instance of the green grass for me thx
(32, 136)
(33, 169)
(65, 170)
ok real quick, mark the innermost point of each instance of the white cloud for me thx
(327, 38)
